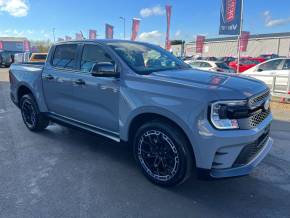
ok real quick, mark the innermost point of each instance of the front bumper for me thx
(245, 169)
(231, 153)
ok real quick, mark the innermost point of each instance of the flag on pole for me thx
(168, 16)
(230, 17)
(92, 34)
(26, 45)
(244, 41)
(68, 38)
(79, 36)
(1, 45)
(199, 44)
(109, 31)
(135, 28)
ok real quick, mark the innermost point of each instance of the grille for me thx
(258, 100)
(251, 150)
(257, 118)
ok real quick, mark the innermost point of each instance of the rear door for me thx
(96, 99)
(58, 77)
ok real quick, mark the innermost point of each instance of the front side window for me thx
(145, 58)
(65, 56)
(93, 54)
(271, 65)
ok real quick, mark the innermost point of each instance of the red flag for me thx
(26, 45)
(135, 28)
(109, 31)
(168, 15)
(92, 34)
(244, 41)
(1, 45)
(199, 43)
(68, 38)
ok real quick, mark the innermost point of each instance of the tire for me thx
(163, 153)
(32, 118)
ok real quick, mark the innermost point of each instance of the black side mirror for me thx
(260, 70)
(105, 69)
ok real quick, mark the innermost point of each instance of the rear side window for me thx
(287, 65)
(93, 54)
(65, 56)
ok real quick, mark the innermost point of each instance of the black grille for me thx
(251, 150)
(257, 118)
(258, 100)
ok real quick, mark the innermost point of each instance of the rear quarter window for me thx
(65, 56)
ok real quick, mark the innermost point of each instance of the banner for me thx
(26, 45)
(230, 17)
(79, 36)
(199, 44)
(135, 28)
(68, 38)
(1, 45)
(109, 31)
(92, 34)
(168, 16)
(244, 41)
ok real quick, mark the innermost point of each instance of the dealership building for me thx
(14, 44)
(273, 43)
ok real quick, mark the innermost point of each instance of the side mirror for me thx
(105, 69)
(259, 70)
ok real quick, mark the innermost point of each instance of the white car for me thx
(215, 66)
(275, 70)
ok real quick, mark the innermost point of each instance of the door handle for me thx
(80, 82)
(49, 77)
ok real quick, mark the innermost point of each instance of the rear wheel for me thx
(163, 153)
(33, 119)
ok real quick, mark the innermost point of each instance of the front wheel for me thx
(163, 153)
(33, 119)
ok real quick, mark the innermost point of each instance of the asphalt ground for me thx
(63, 172)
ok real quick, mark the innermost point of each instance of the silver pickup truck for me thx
(179, 121)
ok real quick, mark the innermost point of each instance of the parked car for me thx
(176, 118)
(279, 68)
(6, 58)
(227, 60)
(269, 56)
(38, 57)
(215, 66)
(245, 64)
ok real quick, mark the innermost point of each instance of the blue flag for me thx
(230, 17)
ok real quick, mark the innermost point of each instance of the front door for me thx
(96, 98)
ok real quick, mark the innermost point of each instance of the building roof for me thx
(12, 39)
(254, 36)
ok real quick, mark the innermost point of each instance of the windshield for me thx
(222, 65)
(145, 58)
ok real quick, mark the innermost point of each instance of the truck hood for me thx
(244, 87)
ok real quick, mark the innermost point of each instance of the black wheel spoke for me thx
(158, 155)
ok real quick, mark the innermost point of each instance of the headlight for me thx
(221, 114)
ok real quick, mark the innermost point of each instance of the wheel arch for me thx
(141, 118)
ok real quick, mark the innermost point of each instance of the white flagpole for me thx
(239, 37)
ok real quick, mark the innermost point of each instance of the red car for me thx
(245, 64)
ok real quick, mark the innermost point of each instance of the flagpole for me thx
(240, 34)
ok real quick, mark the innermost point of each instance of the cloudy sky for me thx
(35, 19)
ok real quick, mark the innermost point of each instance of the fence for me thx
(278, 84)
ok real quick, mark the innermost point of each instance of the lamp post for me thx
(124, 23)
